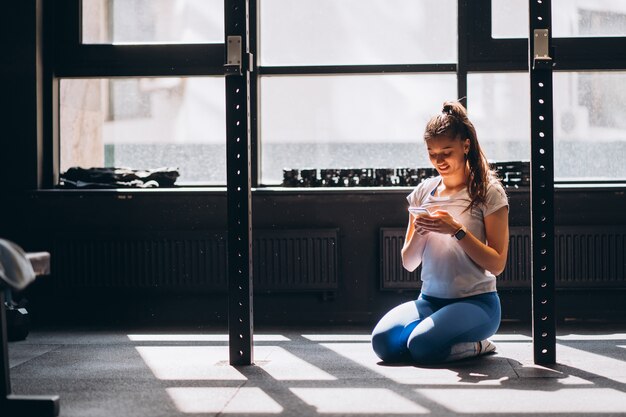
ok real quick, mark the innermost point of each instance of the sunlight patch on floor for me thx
(510, 338)
(285, 366)
(187, 363)
(338, 337)
(358, 401)
(592, 363)
(592, 337)
(201, 338)
(195, 400)
(512, 401)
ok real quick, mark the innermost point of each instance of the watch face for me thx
(460, 234)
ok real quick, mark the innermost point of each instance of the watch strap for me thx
(460, 234)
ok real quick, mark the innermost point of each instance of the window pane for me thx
(590, 129)
(153, 21)
(499, 107)
(509, 18)
(146, 123)
(570, 18)
(357, 32)
(363, 121)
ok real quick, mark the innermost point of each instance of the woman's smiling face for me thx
(447, 154)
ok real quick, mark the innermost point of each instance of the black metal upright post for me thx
(542, 183)
(5, 379)
(237, 69)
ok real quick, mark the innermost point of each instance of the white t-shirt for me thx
(447, 271)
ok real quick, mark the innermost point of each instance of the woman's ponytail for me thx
(453, 122)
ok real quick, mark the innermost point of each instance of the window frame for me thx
(65, 56)
(75, 59)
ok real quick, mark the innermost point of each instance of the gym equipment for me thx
(17, 271)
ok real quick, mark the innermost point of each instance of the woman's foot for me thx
(485, 347)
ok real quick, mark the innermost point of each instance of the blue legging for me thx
(424, 330)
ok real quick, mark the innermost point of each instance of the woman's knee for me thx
(388, 346)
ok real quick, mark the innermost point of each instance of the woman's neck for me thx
(451, 185)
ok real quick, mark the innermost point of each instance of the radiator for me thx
(392, 273)
(591, 256)
(585, 256)
(287, 260)
(194, 259)
(282, 260)
(518, 267)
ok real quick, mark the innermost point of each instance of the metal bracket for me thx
(233, 65)
(541, 48)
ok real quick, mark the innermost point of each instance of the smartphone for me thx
(419, 211)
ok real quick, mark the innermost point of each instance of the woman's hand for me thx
(438, 222)
(416, 226)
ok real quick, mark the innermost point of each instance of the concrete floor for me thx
(322, 372)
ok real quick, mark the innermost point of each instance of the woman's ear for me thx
(466, 146)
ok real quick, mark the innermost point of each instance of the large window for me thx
(349, 121)
(375, 84)
(133, 94)
(146, 123)
(336, 84)
(589, 140)
(590, 129)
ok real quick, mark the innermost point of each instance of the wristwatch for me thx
(460, 234)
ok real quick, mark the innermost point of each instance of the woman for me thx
(461, 242)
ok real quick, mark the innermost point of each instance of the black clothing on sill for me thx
(109, 177)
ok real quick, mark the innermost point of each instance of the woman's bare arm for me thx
(491, 256)
(413, 248)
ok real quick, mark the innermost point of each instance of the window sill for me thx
(569, 187)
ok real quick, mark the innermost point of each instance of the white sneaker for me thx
(485, 347)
